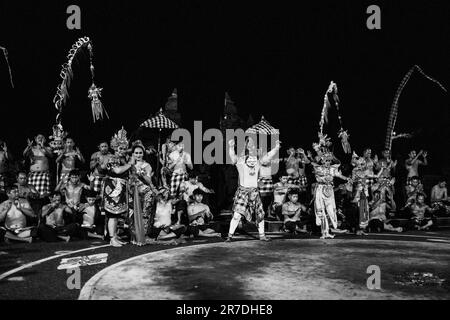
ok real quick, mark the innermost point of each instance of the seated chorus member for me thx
(72, 189)
(199, 216)
(292, 210)
(439, 198)
(59, 222)
(13, 216)
(422, 215)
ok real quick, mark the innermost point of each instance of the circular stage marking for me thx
(291, 269)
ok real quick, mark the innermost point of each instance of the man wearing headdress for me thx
(247, 202)
(115, 185)
(324, 203)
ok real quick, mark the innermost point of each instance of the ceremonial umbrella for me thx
(262, 127)
(159, 121)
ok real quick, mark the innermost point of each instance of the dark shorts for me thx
(110, 215)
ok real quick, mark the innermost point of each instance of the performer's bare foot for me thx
(113, 242)
(264, 238)
(228, 239)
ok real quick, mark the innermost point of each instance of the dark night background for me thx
(275, 59)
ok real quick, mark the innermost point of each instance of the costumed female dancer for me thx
(115, 185)
(142, 191)
(247, 202)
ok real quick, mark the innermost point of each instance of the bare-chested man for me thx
(68, 158)
(99, 161)
(72, 189)
(26, 191)
(39, 154)
(412, 163)
(439, 198)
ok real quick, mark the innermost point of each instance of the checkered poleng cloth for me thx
(265, 186)
(251, 210)
(96, 185)
(301, 181)
(175, 184)
(159, 121)
(41, 181)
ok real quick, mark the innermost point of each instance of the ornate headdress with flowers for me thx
(57, 138)
(119, 139)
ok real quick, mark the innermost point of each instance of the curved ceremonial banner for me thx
(5, 53)
(342, 134)
(390, 135)
(62, 91)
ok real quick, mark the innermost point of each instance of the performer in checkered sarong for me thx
(39, 154)
(300, 181)
(265, 185)
(247, 202)
(180, 160)
(295, 168)
(68, 158)
(99, 161)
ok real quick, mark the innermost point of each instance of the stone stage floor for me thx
(292, 269)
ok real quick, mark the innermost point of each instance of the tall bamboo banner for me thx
(62, 91)
(390, 134)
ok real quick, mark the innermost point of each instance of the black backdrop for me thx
(275, 59)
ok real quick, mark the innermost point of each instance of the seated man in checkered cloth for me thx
(247, 202)
(39, 175)
(98, 163)
(180, 160)
(279, 197)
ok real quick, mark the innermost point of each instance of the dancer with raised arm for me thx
(247, 202)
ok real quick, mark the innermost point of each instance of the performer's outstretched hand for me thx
(231, 143)
(278, 143)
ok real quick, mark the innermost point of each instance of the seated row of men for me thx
(66, 216)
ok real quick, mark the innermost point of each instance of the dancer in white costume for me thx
(247, 202)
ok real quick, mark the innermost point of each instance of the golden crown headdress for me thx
(120, 138)
(58, 132)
